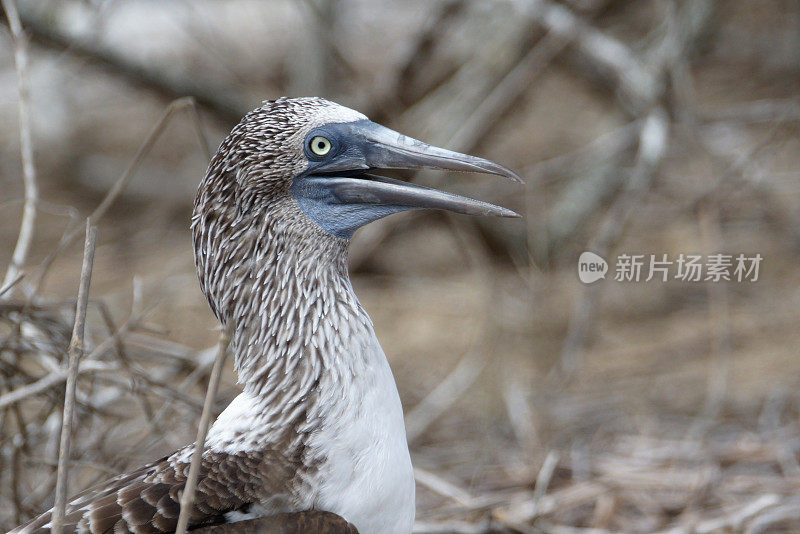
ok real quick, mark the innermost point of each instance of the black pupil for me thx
(321, 145)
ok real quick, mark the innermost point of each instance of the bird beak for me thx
(371, 146)
(341, 193)
(383, 191)
(387, 149)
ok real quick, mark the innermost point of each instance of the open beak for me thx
(341, 192)
(384, 191)
(373, 147)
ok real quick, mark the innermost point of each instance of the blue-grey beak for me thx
(339, 192)
(387, 149)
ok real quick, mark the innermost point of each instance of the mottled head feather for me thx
(265, 150)
(265, 268)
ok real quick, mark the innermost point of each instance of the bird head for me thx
(322, 157)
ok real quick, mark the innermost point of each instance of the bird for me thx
(316, 439)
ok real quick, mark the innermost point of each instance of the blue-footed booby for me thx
(316, 440)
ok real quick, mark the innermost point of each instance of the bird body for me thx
(315, 377)
(350, 442)
(319, 423)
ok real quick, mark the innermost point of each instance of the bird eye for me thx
(320, 146)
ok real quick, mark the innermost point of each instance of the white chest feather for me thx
(367, 476)
(357, 441)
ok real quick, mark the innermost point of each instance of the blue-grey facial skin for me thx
(348, 153)
(333, 215)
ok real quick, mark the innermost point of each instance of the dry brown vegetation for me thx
(534, 403)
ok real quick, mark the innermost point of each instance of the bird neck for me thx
(280, 285)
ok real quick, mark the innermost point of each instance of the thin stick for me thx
(144, 149)
(544, 476)
(75, 353)
(202, 138)
(443, 487)
(11, 284)
(465, 373)
(187, 498)
(26, 149)
(50, 381)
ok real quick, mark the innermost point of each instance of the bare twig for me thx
(773, 515)
(636, 79)
(26, 149)
(187, 498)
(443, 395)
(735, 520)
(544, 476)
(7, 287)
(443, 487)
(113, 193)
(526, 510)
(75, 354)
(202, 138)
(49, 381)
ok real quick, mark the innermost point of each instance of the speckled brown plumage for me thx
(288, 523)
(147, 500)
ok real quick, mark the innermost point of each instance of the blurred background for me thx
(534, 402)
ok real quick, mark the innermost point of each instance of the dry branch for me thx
(636, 79)
(119, 186)
(7, 287)
(444, 394)
(441, 486)
(187, 497)
(20, 253)
(50, 381)
(75, 354)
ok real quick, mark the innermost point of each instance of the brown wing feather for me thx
(288, 523)
(147, 500)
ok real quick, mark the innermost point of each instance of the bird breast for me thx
(353, 441)
(366, 476)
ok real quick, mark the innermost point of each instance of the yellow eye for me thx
(320, 146)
